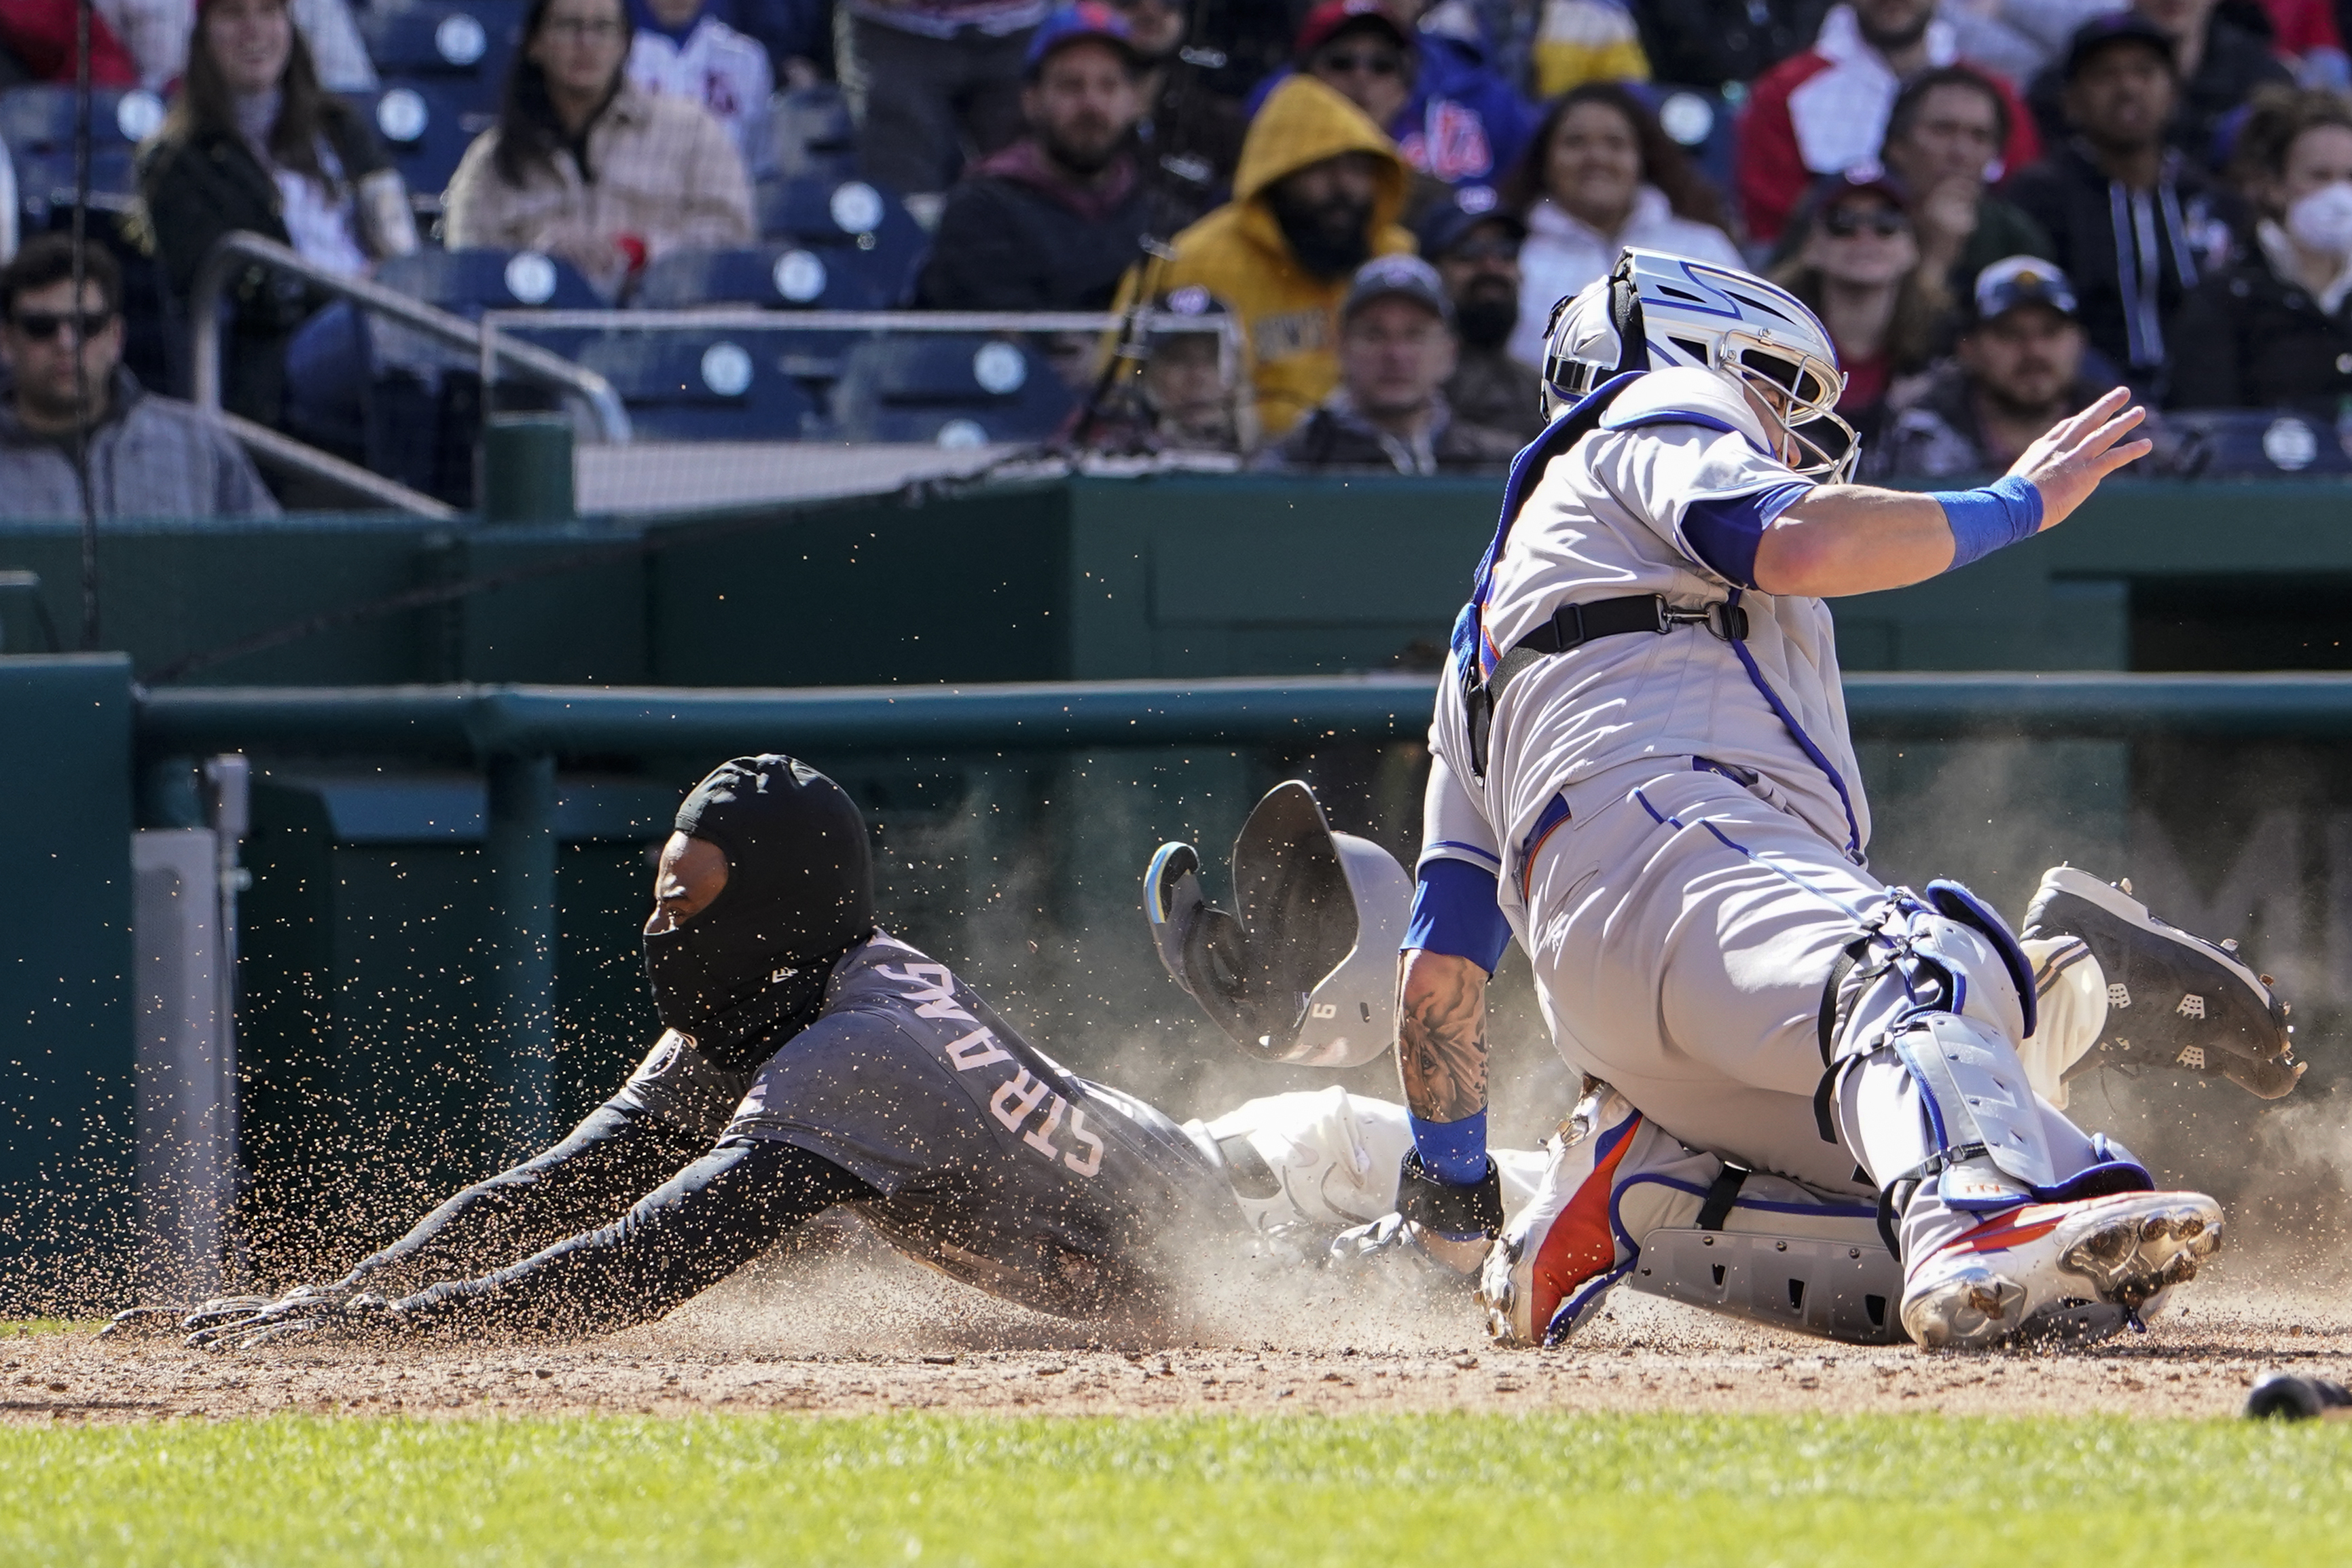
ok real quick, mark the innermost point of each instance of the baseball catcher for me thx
(1643, 773)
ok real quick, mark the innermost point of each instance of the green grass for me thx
(1915, 1492)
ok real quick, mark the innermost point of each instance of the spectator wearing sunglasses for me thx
(1455, 120)
(149, 456)
(1851, 254)
(1473, 242)
(1599, 176)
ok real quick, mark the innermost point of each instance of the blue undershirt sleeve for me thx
(1724, 531)
(1453, 911)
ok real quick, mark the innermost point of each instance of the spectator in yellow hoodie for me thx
(1316, 195)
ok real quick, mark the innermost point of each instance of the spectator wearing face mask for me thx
(1473, 242)
(2021, 364)
(1601, 175)
(1316, 197)
(1825, 110)
(1854, 259)
(2132, 223)
(1053, 221)
(1943, 141)
(2274, 331)
(2216, 65)
(1396, 353)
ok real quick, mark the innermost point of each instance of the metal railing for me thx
(488, 721)
(515, 733)
(243, 247)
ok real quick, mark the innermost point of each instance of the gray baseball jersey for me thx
(993, 1163)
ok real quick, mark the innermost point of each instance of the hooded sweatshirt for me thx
(1289, 316)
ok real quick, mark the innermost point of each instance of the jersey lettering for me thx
(1015, 1098)
(1093, 1162)
(1042, 1138)
(977, 1048)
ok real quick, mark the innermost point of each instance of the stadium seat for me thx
(702, 386)
(781, 275)
(469, 282)
(2251, 443)
(36, 122)
(954, 388)
(814, 137)
(426, 127)
(457, 41)
(860, 231)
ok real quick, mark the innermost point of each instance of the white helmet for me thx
(1307, 972)
(1657, 309)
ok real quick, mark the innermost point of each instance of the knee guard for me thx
(1623, 1200)
(1942, 987)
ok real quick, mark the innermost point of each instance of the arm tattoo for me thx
(1441, 1042)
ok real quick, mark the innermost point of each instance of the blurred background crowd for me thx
(1337, 229)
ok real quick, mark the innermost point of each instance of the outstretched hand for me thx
(2073, 455)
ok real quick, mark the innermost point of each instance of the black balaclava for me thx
(798, 894)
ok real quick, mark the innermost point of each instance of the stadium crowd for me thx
(1351, 218)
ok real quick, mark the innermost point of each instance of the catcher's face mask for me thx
(1306, 972)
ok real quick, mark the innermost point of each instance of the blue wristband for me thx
(1983, 520)
(1452, 1151)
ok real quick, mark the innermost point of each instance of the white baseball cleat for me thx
(2077, 1270)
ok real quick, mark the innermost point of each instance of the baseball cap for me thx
(2021, 280)
(1398, 277)
(1328, 18)
(1446, 222)
(1088, 19)
(2114, 27)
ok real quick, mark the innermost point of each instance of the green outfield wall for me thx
(1091, 579)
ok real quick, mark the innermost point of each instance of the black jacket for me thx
(1334, 437)
(2186, 221)
(2256, 340)
(1013, 239)
(193, 191)
(2236, 62)
(1710, 43)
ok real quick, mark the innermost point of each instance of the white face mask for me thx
(2323, 220)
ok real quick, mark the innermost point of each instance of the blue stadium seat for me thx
(36, 122)
(426, 127)
(814, 137)
(1699, 121)
(781, 275)
(459, 41)
(955, 389)
(2252, 443)
(469, 282)
(859, 230)
(702, 386)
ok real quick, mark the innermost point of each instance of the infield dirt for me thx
(847, 1327)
